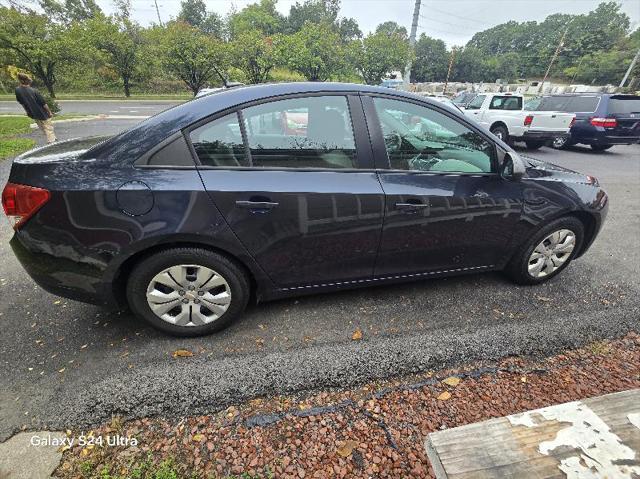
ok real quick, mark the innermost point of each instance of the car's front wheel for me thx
(548, 252)
(560, 142)
(502, 133)
(187, 291)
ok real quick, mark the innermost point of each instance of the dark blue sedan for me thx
(263, 192)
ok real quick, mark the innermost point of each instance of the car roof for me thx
(141, 138)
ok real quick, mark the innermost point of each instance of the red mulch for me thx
(377, 430)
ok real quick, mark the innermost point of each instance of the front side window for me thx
(311, 132)
(219, 142)
(422, 139)
(476, 103)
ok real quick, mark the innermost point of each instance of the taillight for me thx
(21, 202)
(528, 120)
(604, 122)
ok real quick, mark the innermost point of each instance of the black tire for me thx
(600, 147)
(518, 270)
(502, 133)
(145, 271)
(534, 144)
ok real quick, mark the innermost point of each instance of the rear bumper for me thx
(600, 136)
(62, 276)
(539, 135)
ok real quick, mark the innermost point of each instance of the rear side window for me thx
(219, 142)
(506, 103)
(312, 132)
(586, 104)
(476, 103)
(569, 104)
(175, 153)
(624, 105)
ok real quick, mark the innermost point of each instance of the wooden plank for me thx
(589, 439)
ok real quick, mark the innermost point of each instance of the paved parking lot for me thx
(65, 363)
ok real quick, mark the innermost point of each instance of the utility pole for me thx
(412, 42)
(555, 54)
(633, 64)
(446, 82)
(158, 12)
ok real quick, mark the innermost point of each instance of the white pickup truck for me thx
(503, 115)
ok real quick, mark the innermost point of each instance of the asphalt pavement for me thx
(66, 364)
(100, 107)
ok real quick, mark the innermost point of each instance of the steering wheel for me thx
(393, 141)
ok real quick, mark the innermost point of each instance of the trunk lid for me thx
(551, 121)
(626, 110)
(60, 151)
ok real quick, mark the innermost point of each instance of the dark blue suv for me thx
(602, 119)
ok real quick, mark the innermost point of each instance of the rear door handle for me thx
(256, 205)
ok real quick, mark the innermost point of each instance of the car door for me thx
(474, 109)
(294, 179)
(446, 207)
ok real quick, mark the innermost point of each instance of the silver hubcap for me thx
(559, 142)
(551, 253)
(188, 295)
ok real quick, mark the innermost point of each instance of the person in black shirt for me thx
(35, 106)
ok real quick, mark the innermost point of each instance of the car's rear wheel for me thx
(600, 147)
(560, 142)
(548, 252)
(534, 144)
(187, 291)
(502, 133)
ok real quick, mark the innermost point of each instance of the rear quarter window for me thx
(623, 106)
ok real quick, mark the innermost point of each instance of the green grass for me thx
(14, 125)
(10, 144)
(10, 147)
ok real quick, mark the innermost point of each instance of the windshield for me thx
(569, 104)
(624, 105)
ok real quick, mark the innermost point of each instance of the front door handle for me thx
(256, 205)
(411, 207)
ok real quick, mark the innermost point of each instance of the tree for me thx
(314, 52)
(120, 40)
(392, 29)
(313, 11)
(255, 55)
(378, 54)
(261, 16)
(33, 43)
(432, 60)
(68, 11)
(194, 12)
(193, 57)
(348, 30)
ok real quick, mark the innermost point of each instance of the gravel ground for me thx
(66, 364)
(375, 431)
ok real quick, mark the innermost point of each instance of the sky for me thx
(454, 21)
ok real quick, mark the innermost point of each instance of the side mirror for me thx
(511, 166)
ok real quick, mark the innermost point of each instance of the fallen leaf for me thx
(523, 379)
(452, 381)
(182, 353)
(357, 335)
(198, 437)
(444, 396)
(57, 302)
(61, 370)
(347, 449)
